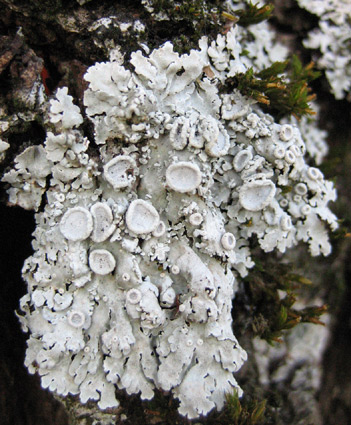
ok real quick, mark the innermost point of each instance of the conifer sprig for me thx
(244, 412)
(274, 313)
(254, 14)
(282, 87)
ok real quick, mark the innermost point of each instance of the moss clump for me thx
(271, 289)
(251, 15)
(282, 88)
(244, 411)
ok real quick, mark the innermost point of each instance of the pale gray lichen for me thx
(314, 137)
(3, 148)
(333, 39)
(139, 245)
(258, 43)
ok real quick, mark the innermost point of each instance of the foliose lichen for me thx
(332, 38)
(139, 245)
(314, 137)
(3, 148)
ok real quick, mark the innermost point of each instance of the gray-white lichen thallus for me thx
(140, 244)
(333, 40)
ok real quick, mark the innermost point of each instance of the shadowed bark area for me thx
(57, 48)
(22, 400)
(335, 391)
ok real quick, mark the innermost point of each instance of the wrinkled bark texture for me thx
(56, 47)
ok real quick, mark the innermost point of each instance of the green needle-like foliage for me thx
(272, 313)
(283, 87)
(243, 412)
(254, 14)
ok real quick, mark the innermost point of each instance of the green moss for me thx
(282, 88)
(245, 411)
(272, 292)
(251, 15)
